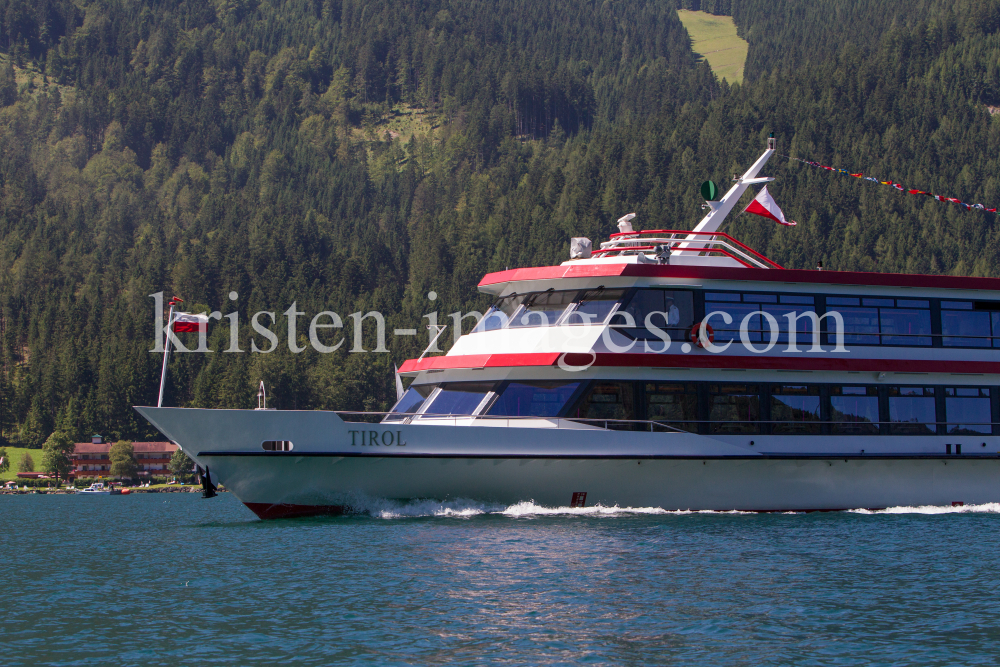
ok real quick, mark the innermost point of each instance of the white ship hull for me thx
(548, 465)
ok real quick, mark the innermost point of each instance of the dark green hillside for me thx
(351, 156)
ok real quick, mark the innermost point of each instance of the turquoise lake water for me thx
(167, 579)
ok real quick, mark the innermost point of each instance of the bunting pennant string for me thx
(897, 186)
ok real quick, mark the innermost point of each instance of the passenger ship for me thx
(672, 369)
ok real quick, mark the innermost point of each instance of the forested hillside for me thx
(350, 156)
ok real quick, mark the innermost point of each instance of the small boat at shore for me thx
(103, 489)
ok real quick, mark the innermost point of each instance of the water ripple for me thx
(144, 580)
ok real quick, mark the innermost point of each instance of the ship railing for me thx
(708, 243)
(715, 426)
(652, 425)
(721, 332)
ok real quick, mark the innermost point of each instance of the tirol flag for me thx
(764, 204)
(190, 323)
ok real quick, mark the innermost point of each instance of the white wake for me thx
(463, 508)
(383, 508)
(985, 508)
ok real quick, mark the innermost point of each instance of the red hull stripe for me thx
(741, 274)
(286, 511)
(802, 362)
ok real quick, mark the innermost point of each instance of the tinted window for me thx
(911, 411)
(859, 324)
(734, 408)
(672, 311)
(758, 329)
(795, 409)
(534, 399)
(594, 306)
(607, 400)
(543, 309)
(967, 410)
(963, 327)
(737, 311)
(882, 321)
(411, 401)
(458, 398)
(905, 326)
(854, 410)
(673, 404)
(498, 316)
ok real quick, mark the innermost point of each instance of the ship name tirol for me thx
(377, 439)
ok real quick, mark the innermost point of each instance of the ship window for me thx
(883, 321)
(854, 410)
(410, 402)
(277, 445)
(911, 411)
(498, 316)
(673, 404)
(967, 410)
(860, 326)
(795, 298)
(670, 310)
(961, 326)
(533, 399)
(795, 409)
(760, 298)
(734, 408)
(721, 296)
(459, 398)
(594, 306)
(905, 326)
(758, 329)
(543, 309)
(610, 401)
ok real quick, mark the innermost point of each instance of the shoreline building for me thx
(93, 459)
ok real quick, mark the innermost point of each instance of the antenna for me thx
(720, 209)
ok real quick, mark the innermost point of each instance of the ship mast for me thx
(720, 209)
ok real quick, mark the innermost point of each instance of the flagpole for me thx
(166, 354)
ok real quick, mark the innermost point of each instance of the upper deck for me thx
(682, 299)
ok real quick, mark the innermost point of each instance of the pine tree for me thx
(8, 84)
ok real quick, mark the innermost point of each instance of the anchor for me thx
(207, 488)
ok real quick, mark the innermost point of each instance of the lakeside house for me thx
(91, 459)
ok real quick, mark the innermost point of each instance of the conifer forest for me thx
(355, 155)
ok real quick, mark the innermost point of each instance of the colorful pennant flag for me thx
(897, 186)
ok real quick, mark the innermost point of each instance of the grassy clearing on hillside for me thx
(16, 454)
(714, 37)
(401, 123)
(31, 79)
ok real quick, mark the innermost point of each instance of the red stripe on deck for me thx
(479, 361)
(830, 362)
(741, 274)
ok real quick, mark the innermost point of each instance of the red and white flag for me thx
(764, 204)
(190, 323)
